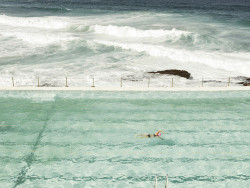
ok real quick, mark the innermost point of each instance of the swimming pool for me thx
(86, 139)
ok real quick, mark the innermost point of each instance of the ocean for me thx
(87, 139)
(110, 39)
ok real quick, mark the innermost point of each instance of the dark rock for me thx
(176, 72)
(245, 81)
(240, 82)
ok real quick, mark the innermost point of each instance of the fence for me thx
(119, 82)
(156, 182)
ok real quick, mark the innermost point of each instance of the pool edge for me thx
(236, 88)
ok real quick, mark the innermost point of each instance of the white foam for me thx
(33, 22)
(234, 62)
(38, 38)
(126, 31)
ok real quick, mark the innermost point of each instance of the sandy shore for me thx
(236, 88)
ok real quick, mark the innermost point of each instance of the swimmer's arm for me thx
(158, 132)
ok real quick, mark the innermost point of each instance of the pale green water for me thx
(86, 139)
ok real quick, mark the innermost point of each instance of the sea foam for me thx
(38, 38)
(126, 31)
(33, 22)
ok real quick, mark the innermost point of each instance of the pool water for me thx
(87, 139)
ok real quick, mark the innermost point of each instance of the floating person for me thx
(157, 134)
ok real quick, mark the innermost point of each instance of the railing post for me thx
(202, 82)
(66, 84)
(228, 84)
(148, 82)
(172, 82)
(121, 82)
(13, 82)
(38, 82)
(155, 181)
(93, 82)
(166, 185)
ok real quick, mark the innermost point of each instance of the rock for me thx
(176, 72)
(240, 83)
(247, 82)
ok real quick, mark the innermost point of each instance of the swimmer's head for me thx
(159, 134)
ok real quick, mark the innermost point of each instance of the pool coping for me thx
(230, 88)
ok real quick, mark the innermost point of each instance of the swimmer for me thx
(157, 134)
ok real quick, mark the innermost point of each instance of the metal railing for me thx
(119, 82)
(156, 182)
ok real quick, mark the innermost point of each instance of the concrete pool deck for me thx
(230, 88)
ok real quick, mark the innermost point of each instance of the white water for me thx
(118, 46)
(38, 38)
(33, 22)
(128, 32)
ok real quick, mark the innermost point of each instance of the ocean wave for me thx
(126, 31)
(38, 38)
(235, 62)
(33, 22)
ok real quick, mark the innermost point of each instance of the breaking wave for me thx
(130, 32)
(55, 23)
(33, 22)
(38, 38)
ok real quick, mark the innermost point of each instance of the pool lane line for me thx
(30, 158)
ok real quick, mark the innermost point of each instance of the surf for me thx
(33, 22)
(128, 32)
